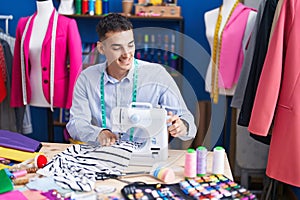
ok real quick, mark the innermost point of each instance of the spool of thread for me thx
(4, 161)
(98, 7)
(31, 170)
(78, 7)
(190, 166)
(85, 7)
(164, 174)
(91, 7)
(21, 181)
(105, 7)
(8, 173)
(138, 55)
(19, 173)
(218, 160)
(201, 160)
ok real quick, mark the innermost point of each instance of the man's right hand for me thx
(107, 138)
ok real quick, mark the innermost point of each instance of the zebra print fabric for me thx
(79, 166)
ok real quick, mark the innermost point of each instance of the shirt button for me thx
(44, 68)
(46, 81)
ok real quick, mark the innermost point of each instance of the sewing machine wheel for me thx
(140, 136)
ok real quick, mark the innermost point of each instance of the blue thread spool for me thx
(105, 7)
(91, 7)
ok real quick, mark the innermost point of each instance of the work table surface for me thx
(175, 161)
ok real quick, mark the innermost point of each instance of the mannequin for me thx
(66, 7)
(47, 59)
(235, 18)
(39, 28)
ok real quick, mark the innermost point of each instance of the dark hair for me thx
(112, 22)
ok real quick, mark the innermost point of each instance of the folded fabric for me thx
(17, 155)
(79, 166)
(5, 183)
(45, 184)
(18, 141)
(2, 166)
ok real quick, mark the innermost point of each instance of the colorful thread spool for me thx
(31, 170)
(78, 7)
(218, 160)
(85, 7)
(8, 173)
(98, 7)
(190, 167)
(201, 160)
(19, 173)
(164, 174)
(91, 7)
(105, 7)
(21, 181)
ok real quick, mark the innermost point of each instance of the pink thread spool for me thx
(19, 173)
(164, 174)
(190, 166)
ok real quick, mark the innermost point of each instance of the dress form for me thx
(211, 18)
(39, 29)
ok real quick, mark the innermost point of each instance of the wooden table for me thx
(175, 161)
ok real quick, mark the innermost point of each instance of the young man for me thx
(119, 81)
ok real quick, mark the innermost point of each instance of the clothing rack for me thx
(6, 18)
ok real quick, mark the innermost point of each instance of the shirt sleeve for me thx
(80, 124)
(173, 101)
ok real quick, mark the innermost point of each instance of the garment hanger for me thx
(6, 18)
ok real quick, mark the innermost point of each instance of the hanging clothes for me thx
(13, 119)
(7, 114)
(3, 73)
(261, 48)
(277, 97)
(238, 96)
(276, 16)
(9, 39)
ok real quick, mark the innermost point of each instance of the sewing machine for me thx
(142, 123)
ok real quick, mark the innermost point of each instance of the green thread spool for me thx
(78, 7)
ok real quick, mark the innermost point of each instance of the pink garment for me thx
(3, 92)
(15, 194)
(231, 54)
(277, 97)
(68, 60)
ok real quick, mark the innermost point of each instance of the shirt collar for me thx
(108, 78)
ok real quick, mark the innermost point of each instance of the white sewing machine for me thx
(149, 129)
